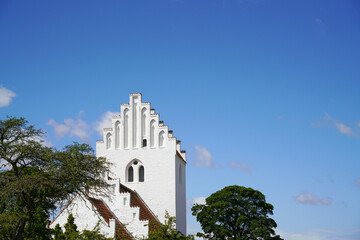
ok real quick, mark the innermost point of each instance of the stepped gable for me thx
(145, 212)
(110, 133)
(120, 231)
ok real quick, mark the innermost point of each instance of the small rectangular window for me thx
(144, 143)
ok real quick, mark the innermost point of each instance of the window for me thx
(162, 139)
(126, 128)
(130, 174)
(144, 142)
(141, 173)
(117, 134)
(108, 140)
(143, 122)
(152, 133)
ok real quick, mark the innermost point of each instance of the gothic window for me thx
(130, 174)
(134, 124)
(152, 133)
(108, 140)
(117, 134)
(126, 128)
(141, 173)
(143, 123)
(162, 139)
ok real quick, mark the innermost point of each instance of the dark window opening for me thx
(144, 143)
(141, 174)
(130, 174)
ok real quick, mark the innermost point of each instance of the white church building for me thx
(147, 176)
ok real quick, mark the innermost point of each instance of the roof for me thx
(145, 211)
(106, 213)
(120, 230)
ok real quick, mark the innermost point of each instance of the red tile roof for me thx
(107, 214)
(145, 212)
(120, 231)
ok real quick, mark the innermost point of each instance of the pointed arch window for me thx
(152, 133)
(108, 141)
(130, 174)
(162, 139)
(143, 122)
(141, 174)
(126, 128)
(117, 134)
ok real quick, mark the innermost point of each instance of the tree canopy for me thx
(236, 212)
(35, 179)
(167, 231)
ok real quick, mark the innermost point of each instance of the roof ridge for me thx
(145, 211)
(107, 214)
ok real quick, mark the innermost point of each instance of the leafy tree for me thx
(236, 212)
(71, 232)
(35, 179)
(167, 231)
(36, 228)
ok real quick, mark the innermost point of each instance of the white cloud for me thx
(104, 122)
(193, 229)
(321, 234)
(242, 166)
(198, 200)
(44, 142)
(308, 235)
(341, 128)
(310, 199)
(5, 96)
(71, 127)
(357, 182)
(203, 158)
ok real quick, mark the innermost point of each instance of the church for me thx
(147, 176)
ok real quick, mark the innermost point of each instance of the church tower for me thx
(147, 158)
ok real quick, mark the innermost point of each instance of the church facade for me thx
(147, 174)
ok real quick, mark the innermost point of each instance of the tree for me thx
(35, 179)
(167, 231)
(236, 212)
(71, 232)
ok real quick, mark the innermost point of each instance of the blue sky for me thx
(263, 94)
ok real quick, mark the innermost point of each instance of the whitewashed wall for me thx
(85, 217)
(123, 143)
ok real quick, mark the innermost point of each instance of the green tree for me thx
(71, 232)
(35, 179)
(167, 231)
(236, 212)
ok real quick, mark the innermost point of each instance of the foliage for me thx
(236, 212)
(71, 232)
(34, 179)
(167, 231)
